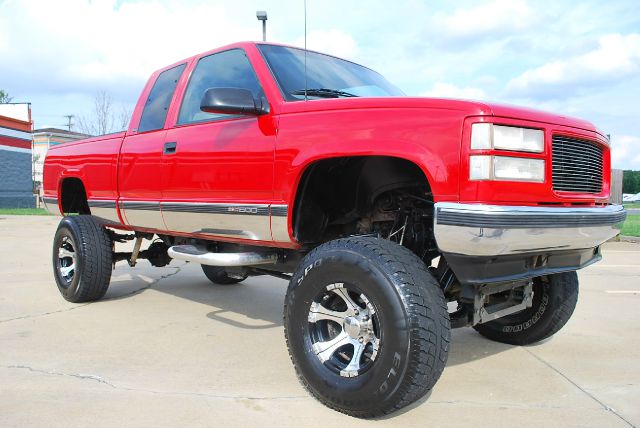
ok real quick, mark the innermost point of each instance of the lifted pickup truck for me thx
(394, 219)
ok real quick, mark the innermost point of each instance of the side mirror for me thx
(232, 101)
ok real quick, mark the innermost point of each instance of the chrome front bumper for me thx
(493, 230)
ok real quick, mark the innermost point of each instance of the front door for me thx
(220, 178)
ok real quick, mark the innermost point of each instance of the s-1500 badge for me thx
(243, 210)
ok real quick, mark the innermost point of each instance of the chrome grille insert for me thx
(577, 165)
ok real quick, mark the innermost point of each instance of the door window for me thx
(228, 69)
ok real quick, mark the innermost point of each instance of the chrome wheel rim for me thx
(67, 259)
(344, 329)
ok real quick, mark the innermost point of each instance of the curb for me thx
(623, 238)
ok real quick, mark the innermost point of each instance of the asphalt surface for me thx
(167, 348)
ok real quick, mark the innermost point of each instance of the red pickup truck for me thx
(394, 219)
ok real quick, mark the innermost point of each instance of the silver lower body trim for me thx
(248, 221)
(142, 214)
(492, 230)
(280, 223)
(255, 222)
(104, 209)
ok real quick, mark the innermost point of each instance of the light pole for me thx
(262, 16)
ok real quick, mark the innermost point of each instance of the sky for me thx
(577, 58)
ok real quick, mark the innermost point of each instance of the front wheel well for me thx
(344, 196)
(73, 197)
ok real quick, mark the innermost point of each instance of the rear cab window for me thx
(157, 105)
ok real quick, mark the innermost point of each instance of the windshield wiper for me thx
(323, 93)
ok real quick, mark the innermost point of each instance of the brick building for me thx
(16, 179)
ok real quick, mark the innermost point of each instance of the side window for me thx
(228, 69)
(157, 105)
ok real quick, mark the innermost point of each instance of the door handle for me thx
(170, 148)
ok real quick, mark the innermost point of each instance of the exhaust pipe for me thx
(190, 253)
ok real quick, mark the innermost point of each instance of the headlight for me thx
(490, 136)
(506, 168)
(521, 169)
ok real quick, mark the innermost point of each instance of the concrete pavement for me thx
(168, 348)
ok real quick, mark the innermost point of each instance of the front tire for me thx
(554, 299)
(366, 326)
(82, 259)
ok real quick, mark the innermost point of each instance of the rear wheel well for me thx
(364, 194)
(73, 197)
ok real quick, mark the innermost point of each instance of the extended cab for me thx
(393, 218)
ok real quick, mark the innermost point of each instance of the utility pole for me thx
(262, 16)
(69, 124)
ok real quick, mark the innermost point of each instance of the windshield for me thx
(327, 76)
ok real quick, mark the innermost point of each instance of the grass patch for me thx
(632, 205)
(23, 211)
(631, 226)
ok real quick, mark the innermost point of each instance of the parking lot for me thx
(168, 348)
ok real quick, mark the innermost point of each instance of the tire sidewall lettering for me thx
(532, 321)
(308, 269)
(392, 375)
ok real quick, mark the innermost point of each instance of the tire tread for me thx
(427, 310)
(95, 255)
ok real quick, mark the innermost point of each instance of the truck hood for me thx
(467, 108)
(515, 112)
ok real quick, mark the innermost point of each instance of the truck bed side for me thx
(88, 166)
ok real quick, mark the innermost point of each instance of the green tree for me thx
(631, 181)
(4, 97)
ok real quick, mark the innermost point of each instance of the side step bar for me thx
(194, 254)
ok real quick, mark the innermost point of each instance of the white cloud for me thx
(77, 42)
(51, 51)
(493, 18)
(447, 90)
(333, 41)
(625, 152)
(462, 49)
(616, 57)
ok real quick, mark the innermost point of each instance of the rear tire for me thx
(554, 299)
(82, 259)
(219, 275)
(385, 317)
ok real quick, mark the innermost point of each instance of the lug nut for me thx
(365, 318)
(357, 312)
(361, 339)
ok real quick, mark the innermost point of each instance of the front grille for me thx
(577, 165)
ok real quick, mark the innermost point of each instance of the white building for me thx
(45, 138)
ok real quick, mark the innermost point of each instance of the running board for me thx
(194, 254)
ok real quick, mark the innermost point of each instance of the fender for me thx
(431, 140)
